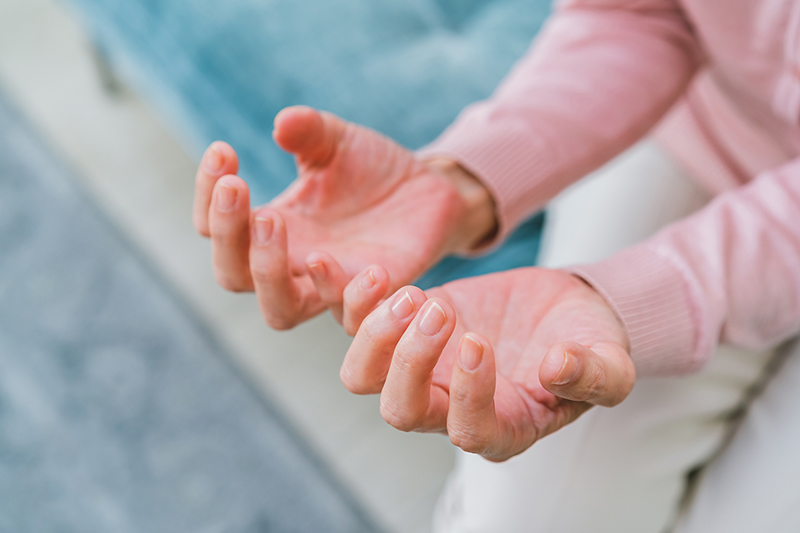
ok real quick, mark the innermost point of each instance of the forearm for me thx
(598, 77)
(730, 273)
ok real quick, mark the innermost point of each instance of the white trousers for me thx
(627, 469)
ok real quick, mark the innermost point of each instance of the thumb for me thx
(309, 134)
(603, 375)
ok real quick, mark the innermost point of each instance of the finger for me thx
(285, 300)
(409, 402)
(219, 160)
(362, 295)
(229, 227)
(329, 279)
(310, 135)
(602, 376)
(367, 361)
(472, 420)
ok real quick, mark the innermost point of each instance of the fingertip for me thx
(372, 278)
(475, 359)
(367, 361)
(472, 421)
(575, 372)
(297, 127)
(329, 279)
(200, 222)
(232, 180)
(267, 213)
(231, 194)
(312, 136)
(362, 295)
(560, 365)
(220, 158)
(356, 385)
(436, 317)
(317, 269)
(405, 302)
(268, 243)
(291, 112)
(471, 352)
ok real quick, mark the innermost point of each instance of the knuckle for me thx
(201, 226)
(358, 385)
(402, 362)
(370, 335)
(500, 457)
(350, 328)
(263, 271)
(469, 440)
(592, 385)
(619, 393)
(229, 283)
(350, 323)
(280, 322)
(469, 398)
(399, 419)
(353, 319)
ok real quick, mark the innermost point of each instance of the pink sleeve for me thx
(730, 273)
(598, 77)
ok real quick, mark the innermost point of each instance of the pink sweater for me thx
(600, 75)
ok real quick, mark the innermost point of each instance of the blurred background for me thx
(135, 394)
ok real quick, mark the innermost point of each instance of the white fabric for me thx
(754, 485)
(622, 469)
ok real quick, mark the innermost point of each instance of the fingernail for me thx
(433, 320)
(403, 307)
(226, 197)
(368, 280)
(471, 354)
(263, 230)
(213, 159)
(568, 370)
(318, 270)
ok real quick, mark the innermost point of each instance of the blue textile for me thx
(222, 70)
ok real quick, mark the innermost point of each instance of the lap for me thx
(752, 485)
(623, 469)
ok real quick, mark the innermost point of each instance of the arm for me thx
(730, 273)
(598, 77)
(359, 199)
(550, 347)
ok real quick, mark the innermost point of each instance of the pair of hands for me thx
(496, 361)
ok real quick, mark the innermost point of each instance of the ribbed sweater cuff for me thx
(653, 301)
(503, 155)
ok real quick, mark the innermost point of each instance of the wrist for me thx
(478, 225)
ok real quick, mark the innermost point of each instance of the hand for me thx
(359, 199)
(497, 361)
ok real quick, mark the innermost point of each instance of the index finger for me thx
(367, 362)
(219, 160)
(409, 400)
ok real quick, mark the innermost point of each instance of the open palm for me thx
(517, 355)
(365, 199)
(359, 199)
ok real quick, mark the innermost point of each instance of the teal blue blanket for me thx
(222, 70)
